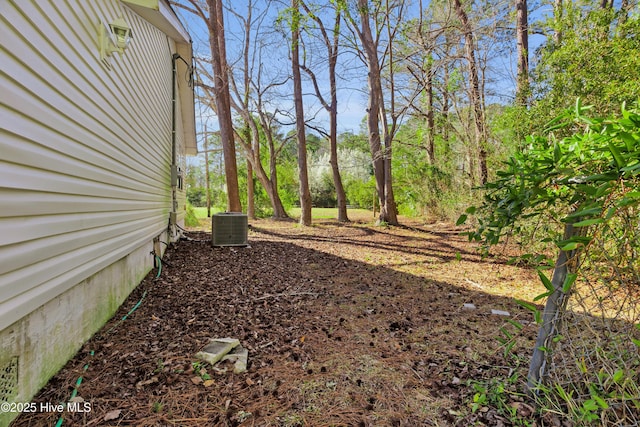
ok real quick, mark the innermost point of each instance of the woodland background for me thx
(405, 105)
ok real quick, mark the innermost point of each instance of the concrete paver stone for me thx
(217, 348)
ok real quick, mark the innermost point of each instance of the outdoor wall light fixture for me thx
(114, 38)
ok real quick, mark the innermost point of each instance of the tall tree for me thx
(558, 12)
(248, 101)
(251, 205)
(381, 155)
(474, 91)
(332, 45)
(417, 58)
(522, 42)
(598, 60)
(303, 175)
(212, 15)
(256, 129)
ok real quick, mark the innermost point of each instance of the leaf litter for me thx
(345, 324)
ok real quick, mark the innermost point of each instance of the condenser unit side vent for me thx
(229, 229)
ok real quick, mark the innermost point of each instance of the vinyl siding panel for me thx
(85, 147)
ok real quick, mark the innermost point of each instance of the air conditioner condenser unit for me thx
(229, 229)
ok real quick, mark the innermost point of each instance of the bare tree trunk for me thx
(391, 214)
(223, 103)
(375, 146)
(303, 175)
(558, 12)
(391, 210)
(270, 185)
(624, 11)
(474, 92)
(278, 209)
(375, 109)
(522, 41)
(431, 125)
(252, 149)
(428, 89)
(445, 108)
(388, 130)
(341, 195)
(252, 154)
(252, 143)
(332, 45)
(251, 208)
(206, 171)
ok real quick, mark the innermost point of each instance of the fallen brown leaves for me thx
(346, 324)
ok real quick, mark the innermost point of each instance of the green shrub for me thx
(190, 220)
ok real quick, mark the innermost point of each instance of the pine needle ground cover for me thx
(345, 324)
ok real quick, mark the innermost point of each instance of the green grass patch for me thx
(316, 213)
(332, 213)
(201, 212)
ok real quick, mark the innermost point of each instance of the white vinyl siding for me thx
(85, 148)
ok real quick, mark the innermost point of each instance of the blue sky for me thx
(352, 101)
(352, 84)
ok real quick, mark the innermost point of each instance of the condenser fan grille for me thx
(229, 229)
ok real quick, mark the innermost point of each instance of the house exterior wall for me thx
(85, 175)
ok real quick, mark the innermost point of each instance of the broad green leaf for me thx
(506, 333)
(611, 212)
(585, 212)
(609, 176)
(578, 107)
(567, 397)
(538, 318)
(588, 222)
(569, 246)
(568, 282)
(527, 305)
(545, 281)
(626, 201)
(625, 112)
(589, 405)
(617, 156)
(461, 220)
(555, 126)
(516, 324)
(601, 402)
(629, 140)
(589, 189)
(603, 188)
(541, 296)
(632, 167)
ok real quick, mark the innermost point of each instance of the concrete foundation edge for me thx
(42, 342)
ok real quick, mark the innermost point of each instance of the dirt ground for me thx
(345, 324)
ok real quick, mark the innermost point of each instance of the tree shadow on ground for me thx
(332, 339)
(447, 245)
